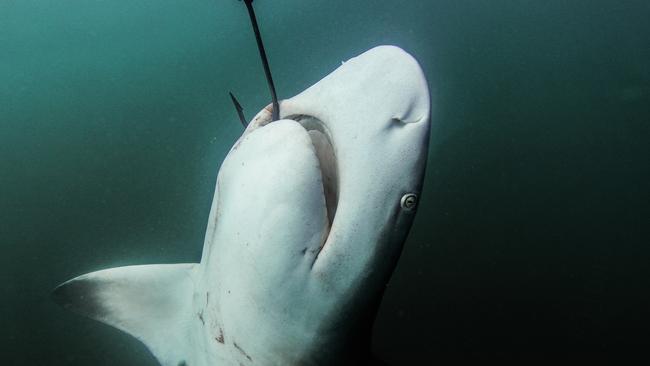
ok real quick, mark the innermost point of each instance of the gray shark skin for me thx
(309, 217)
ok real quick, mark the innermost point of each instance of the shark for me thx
(309, 217)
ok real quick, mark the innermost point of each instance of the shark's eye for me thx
(409, 202)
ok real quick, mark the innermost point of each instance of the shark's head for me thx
(311, 211)
(309, 217)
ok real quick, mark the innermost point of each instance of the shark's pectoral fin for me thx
(151, 302)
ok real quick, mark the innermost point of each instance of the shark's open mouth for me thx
(322, 142)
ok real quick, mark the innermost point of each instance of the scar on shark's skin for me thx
(242, 351)
(219, 338)
(200, 315)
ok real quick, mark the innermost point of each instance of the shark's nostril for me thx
(403, 121)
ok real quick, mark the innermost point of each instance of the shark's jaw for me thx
(322, 142)
(309, 217)
(324, 150)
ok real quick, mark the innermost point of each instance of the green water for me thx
(532, 236)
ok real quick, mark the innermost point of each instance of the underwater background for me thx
(532, 238)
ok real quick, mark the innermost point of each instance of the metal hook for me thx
(265, 61)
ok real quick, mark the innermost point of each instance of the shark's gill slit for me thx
(322, 142)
